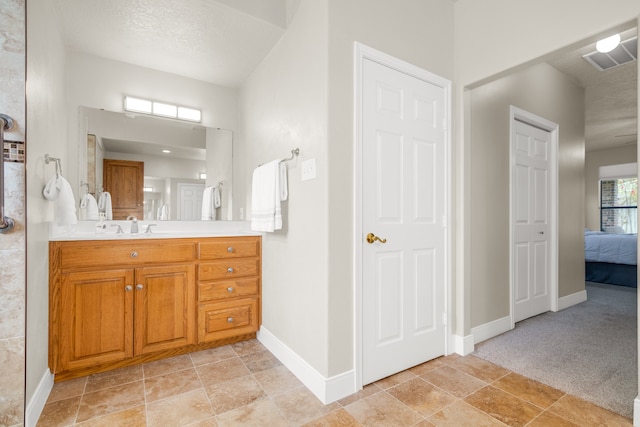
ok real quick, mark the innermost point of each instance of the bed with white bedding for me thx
(611, 258)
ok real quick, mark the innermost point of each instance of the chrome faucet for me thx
(148, 230)
(119, 230)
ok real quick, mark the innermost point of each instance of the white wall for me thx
(593, 161)
(283, 105)
(47, 134)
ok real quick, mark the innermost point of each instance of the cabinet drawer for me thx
(230, 248)
(225, 289)
(222, 320)
(228, 269)
(110, 253)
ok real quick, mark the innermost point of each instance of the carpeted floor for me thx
(588, 350)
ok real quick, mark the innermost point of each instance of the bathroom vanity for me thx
(119, 302)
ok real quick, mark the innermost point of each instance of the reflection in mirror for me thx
(183, 162)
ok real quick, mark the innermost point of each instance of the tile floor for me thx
(245, 385)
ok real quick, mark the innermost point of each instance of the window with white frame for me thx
(619, 198)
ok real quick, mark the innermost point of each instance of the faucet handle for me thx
(148, 230)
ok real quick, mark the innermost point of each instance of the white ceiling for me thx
(222, 41)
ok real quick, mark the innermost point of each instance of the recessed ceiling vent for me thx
(626, 51)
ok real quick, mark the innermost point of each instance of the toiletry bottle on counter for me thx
(101, 225)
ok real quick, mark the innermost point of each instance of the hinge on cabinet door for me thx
(444, 319)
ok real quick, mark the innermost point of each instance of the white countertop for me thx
(86, 230)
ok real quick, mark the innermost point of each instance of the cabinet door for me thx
(165, 313)
(96, 318)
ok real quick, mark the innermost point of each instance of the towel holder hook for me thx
(48, 159)
(6, 224)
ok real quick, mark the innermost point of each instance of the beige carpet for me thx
(588, 350)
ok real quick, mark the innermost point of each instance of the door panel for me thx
(403, 201)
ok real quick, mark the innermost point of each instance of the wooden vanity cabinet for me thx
(118, 303)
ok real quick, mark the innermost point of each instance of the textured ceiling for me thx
(205, 40)
(611, 106)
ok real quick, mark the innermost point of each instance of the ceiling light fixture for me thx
(161, 109)
(608, 44)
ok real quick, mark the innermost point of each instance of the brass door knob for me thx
(372, 238)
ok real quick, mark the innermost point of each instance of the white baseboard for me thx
(491, 329)
(636, 412)
(38, 400)
(326, 389)
(573, 299)
(463, 345)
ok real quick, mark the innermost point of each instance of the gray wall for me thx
(543, 91)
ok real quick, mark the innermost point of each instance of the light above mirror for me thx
(161, 109)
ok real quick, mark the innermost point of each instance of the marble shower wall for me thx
(12, 244)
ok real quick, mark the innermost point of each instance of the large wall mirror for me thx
(180, 159)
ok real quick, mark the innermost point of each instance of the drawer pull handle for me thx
(134, 254)
(230, 249)
(128, 288)
(230, 270)
(229, 319)
(139, 286)
(230, 289)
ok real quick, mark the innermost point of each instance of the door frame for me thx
(518, 114)
(362, 52)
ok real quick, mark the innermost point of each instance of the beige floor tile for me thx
(584, 413)
(243, 348)
(299, 406)
(428, 366)
(171, 384)
(260, 361)
(208, 422)
(421, 396)
(337, 418)
(368, 390)
(113, 378)
(212, 355)
(60, 412)
(394, 380)
(530, 390)
(110, 400)
(224, 370)
(227, 395)
(453, 381)
(460, 414)
(481, 369)
(547, 419)
(133, 417)
(382, 410)
(165, 366)
(180, 410)
(277, 380)
(503, 406)
(262, 412)
(66, 389)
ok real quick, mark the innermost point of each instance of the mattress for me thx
(610, 248)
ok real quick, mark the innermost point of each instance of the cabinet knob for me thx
(139, 286)
(230, 289)
(230, 270)
(134, 254)
(229, 319)
(128, 288)
(230, 249)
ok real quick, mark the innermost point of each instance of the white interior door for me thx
(190, 201)
(404, 205)
(531, 217)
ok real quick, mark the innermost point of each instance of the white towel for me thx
(267, 191)
(104, 205)
(58, 190)
(163, 213)
(210, 201)
(89, 207)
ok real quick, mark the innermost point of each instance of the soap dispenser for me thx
(134, 226)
